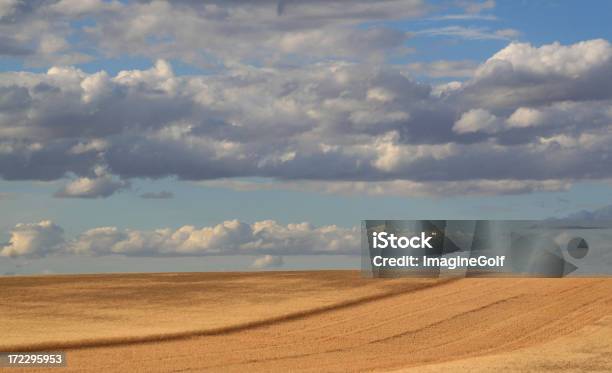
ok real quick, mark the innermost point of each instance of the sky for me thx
(248, 135)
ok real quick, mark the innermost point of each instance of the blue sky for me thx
(314, 115)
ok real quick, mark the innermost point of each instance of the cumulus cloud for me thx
(236, 237)
(232, 237)
(525, 75)
(572, 61)
(32, 240)
(476, 120)
(101, 186)
(526, 117)
(227, 238)
(533, 116)
(268, 261)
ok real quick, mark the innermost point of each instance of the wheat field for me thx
(309, 321)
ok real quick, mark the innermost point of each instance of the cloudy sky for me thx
(213, 135)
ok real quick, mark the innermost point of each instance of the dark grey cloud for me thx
(12, 48)
(15, 11)
(14, 98)
(25, 159)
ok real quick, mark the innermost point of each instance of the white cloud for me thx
(526, 117)
(101, 186)
(31, 240)
(227, 238)
(232, 237)
(391, 155)
(268, 261)
(96, 241)
(476, 120)
(380, 94)
(571, 60)
(526, 75)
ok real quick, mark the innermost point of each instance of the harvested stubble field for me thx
(309, 321)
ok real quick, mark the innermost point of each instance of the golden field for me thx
(309, 321)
